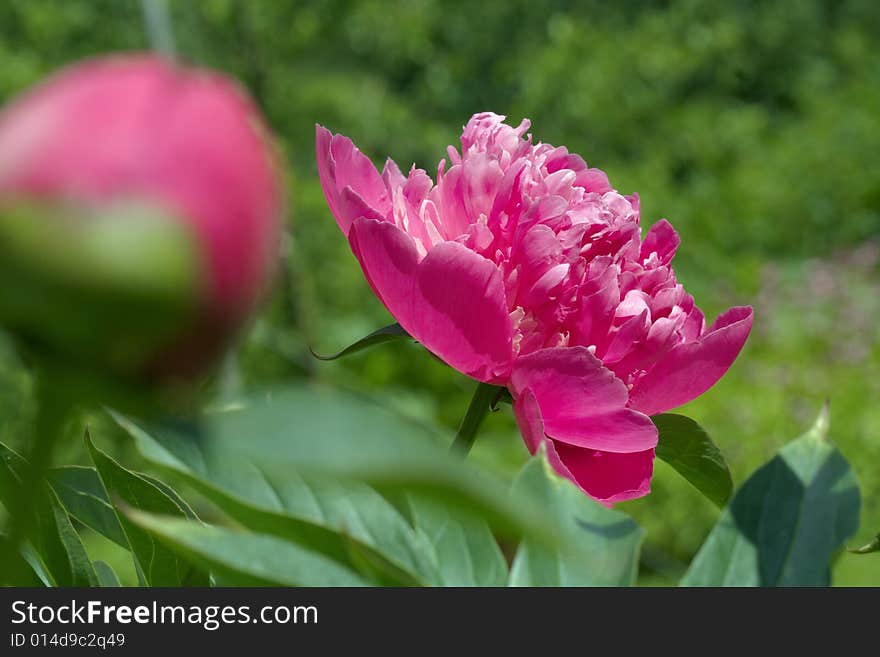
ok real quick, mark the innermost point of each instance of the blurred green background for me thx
(753, 126)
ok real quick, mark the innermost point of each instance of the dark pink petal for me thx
(607, 476)
(460, 312)
(581, 401)
(452, 301)
(631, 332)
(595, 315)
(691, 368)
(662, 240)
(528, 417)
(352, 186)
(531, 426)
(694, 324)
(352, 205)
(389, 260)
(323, 137)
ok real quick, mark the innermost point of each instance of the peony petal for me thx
(351, 205)
(352, 186)
(460, 312)
(582, 403)
(691, 368)
(389, 259)
(607, 476)
(593, 180)
(528, 417)
(531, 426)
(391, 175)
(662, 240)
(452, 301)
(595, 314)
(626, 338)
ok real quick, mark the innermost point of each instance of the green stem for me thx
(485, 396)
(53, 408)
(158, 23)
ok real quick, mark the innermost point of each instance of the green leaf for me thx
(348, 521)
(36, 564)
(106, 577)
(786, 522)
(283, 463)
(81, 492)
(384, 334)
(465, 552)
(157, 565)
(171, 493)
(686, 446)
(19, 572)
(871, 546)
(244, 559)
(597, 546)
(54, 541)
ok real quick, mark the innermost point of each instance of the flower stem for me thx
(53, 408)
(158, 22)
(485, 396)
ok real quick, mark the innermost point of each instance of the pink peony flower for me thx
(136, 129)
(523, 267)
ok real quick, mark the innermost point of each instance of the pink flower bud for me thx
(101, 141)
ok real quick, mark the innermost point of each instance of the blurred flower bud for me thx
(140, 212)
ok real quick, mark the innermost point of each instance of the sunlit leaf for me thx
(244, 559)
(686, 446)
(53, 539)
(596, 546)
(785, 523)
(106, 577)
(288, 462)
(19, 571)
(81, 492)
(157, 565)
(464, 550)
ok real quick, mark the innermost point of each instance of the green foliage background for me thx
(753, 126)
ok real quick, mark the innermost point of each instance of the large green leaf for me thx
(786, 522)
(81, 492)
(348, 521)
(283, 463)
(686, 446)
(322, 431)
(54, 541)
(596, 546)
(244, 559)
(465, 552)
(157, 565)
